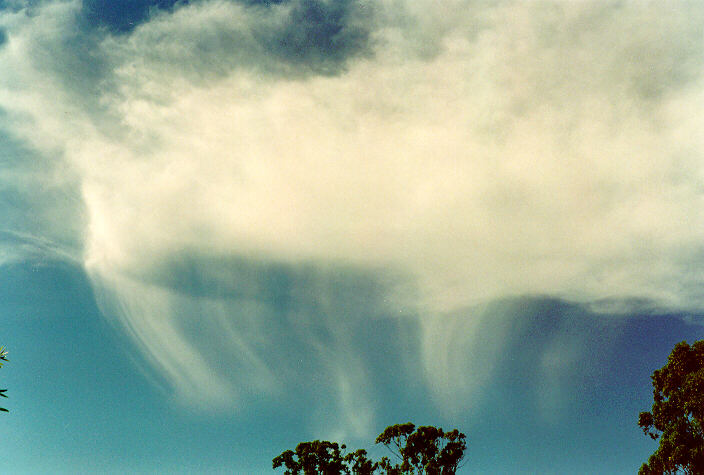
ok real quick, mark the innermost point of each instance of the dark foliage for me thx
(321, 456)
(423, 450)
(677, 416)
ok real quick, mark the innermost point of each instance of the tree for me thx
(425, 450)
(677, 416)
(3, 357)
(321, 456)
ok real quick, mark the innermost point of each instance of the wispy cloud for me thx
(472, 152)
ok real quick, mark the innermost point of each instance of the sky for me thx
(228, 226)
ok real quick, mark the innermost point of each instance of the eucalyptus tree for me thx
(423, 450)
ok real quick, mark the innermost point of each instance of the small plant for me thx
(3, 358)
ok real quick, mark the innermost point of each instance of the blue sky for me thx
(230, 226)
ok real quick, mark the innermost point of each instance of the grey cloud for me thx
(292, 37)
(315, 35)
(124, 16)
(299, 37)
(283, 285)
(323, 35)
(296, 38)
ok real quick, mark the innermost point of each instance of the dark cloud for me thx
(314, 36)
(290, 38)
(125, 15)
(14, 6)
(321, 34)
(265, 3)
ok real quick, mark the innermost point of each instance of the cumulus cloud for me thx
(463, 153)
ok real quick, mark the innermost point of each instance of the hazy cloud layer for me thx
(451, 155)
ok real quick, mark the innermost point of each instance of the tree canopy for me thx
(423, 450)
(677, 415)
(321, 456)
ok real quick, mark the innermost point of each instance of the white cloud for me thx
(483, 152)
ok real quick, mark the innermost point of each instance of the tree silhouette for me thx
(3, 358)
(321, 456)
(677, 416)
(425, 450)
